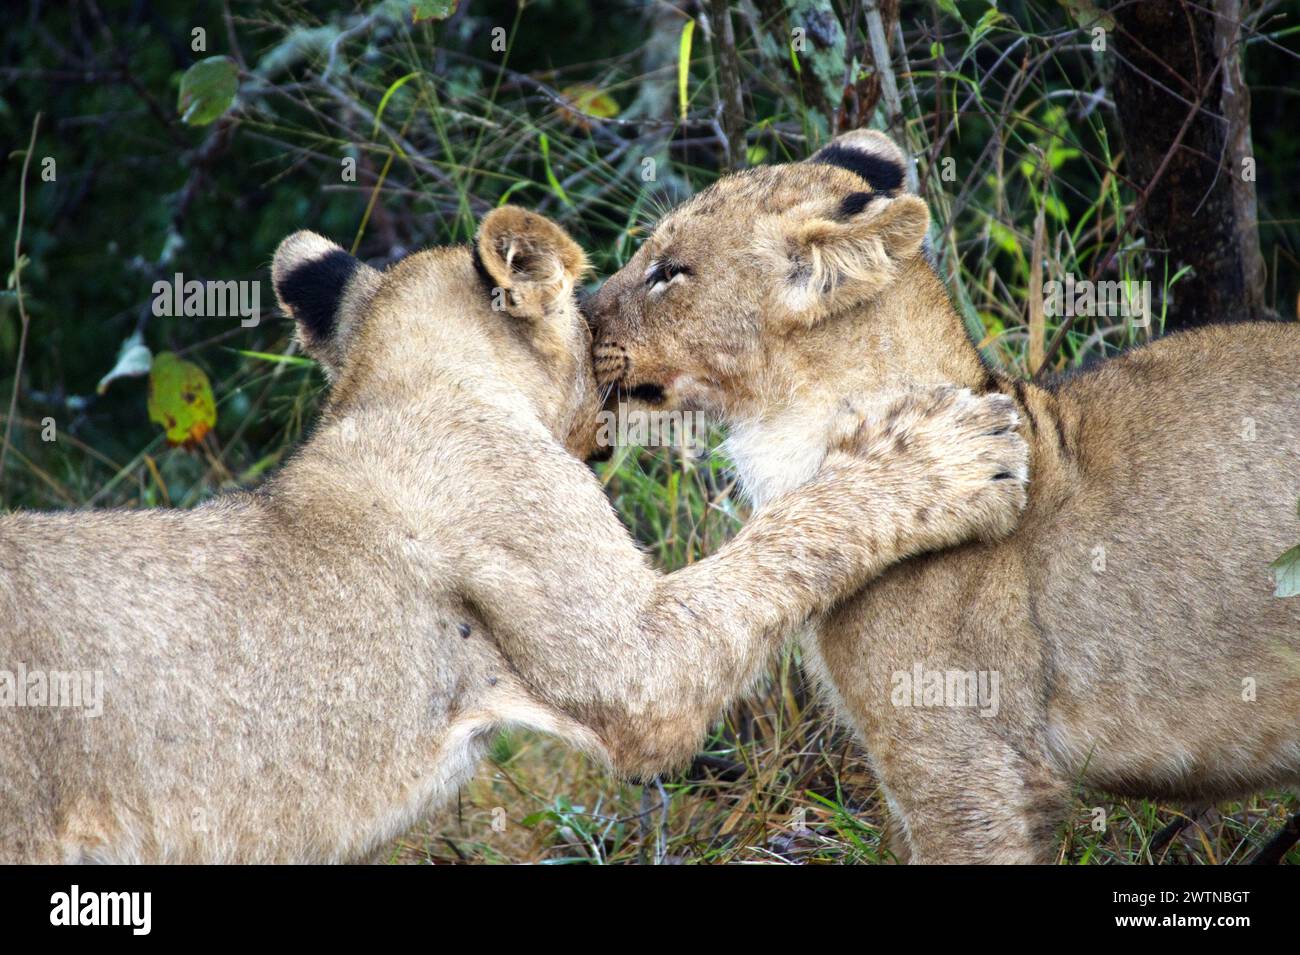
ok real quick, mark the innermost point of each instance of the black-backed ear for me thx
(868, 154)
(531, 259)
(825, 264)
(321, 287)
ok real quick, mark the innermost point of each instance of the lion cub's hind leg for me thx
(954, 800)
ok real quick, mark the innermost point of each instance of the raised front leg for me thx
(650, 661)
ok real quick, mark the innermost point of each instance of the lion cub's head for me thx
(695, 316)
(500, 314)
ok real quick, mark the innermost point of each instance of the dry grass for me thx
(796, 791)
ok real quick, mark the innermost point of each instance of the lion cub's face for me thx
(501, 312)
(696, 315)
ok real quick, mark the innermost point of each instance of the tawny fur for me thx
(1131, 612)
(299, 673)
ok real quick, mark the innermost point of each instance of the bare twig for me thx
(18, 293)
(232, 38)
(359, 26)
(1037, 318)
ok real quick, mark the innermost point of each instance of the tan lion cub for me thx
(1125, 636)
(297, 674)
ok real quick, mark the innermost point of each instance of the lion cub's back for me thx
(1153, 580)
(1198, 433)
(1235, 384)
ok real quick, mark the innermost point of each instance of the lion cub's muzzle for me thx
(611, 362)
(613, 367)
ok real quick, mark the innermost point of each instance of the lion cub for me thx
(1125, 636)
(299, 673)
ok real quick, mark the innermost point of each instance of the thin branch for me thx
(18, 292)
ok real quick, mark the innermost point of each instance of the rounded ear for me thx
(868, 154)
(902, 226)
(826, 264)
(530, 258)
(322, 288)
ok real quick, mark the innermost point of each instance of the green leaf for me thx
(432, 10)
(388, 94)
(1058, 155)
(295, 360)
(684, 64)
(556, 188)
(1004, 238)
(1286, 573)
(992, 16)
(180, 399)
(207, 90)
(514, 187)
(993, 326)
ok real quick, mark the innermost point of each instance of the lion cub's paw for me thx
(955, 456)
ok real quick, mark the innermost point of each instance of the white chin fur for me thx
(776, 455)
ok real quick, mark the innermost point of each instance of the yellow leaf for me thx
(684, 64)
(180, 399)
(587, 101)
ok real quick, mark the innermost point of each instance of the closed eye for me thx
(661, 274)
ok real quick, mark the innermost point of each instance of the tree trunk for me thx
(729, 90)
(1200, 212)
